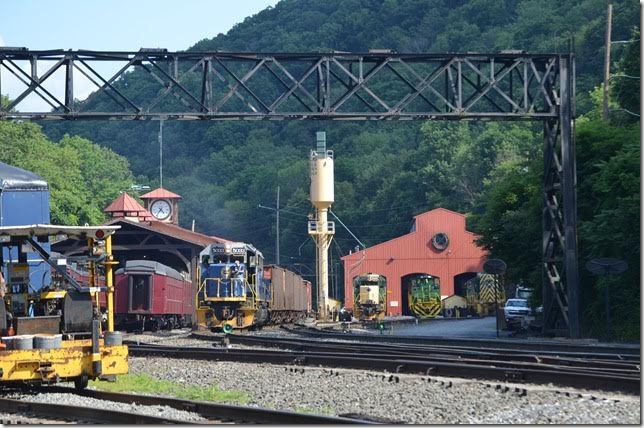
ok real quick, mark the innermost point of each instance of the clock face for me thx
(161, 209)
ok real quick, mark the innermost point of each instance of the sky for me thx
(113, 25)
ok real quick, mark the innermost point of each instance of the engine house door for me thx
(140, 293)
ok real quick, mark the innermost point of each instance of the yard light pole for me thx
(605, 267)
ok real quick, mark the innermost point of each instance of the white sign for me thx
(393, 303)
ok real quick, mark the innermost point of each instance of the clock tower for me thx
(163, 205)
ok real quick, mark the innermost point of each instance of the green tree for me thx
(82, 177)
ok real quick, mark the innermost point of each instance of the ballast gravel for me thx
(396, 398)
(382, 397)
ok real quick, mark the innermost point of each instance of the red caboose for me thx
(152, 296)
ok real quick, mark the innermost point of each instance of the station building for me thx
(151, 232)
(438, 244)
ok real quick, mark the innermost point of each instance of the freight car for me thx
(290, 295)
(424, 296)
(152, 296)
(369, 297)
(52, 331)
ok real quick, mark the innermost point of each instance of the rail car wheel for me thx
(153, 325)
(81, 382)
(171, 324)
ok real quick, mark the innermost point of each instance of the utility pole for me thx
(161, 153)
(277, 225)
(277, 237)
(607, 60)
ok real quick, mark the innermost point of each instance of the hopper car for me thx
(51, 329)
(290, 295)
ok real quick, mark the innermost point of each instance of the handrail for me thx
(247, 286)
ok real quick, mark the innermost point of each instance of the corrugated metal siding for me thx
(308, 287)
(414, 253)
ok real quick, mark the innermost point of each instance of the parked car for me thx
(516, 310)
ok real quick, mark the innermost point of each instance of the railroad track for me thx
(622, 378)
(211, 412)
(497, 357)
(601, 350)
(49, 412)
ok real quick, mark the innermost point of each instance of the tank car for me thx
(232, 293)
(424, 296)
(369, 297)
(152, 296)
(51, 328)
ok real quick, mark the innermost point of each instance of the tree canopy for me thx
(83, 177)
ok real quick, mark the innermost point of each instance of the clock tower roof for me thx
(160, 193)
(126, 206)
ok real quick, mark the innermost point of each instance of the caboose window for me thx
(140, 296)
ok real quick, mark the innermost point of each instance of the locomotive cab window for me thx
(140, 292)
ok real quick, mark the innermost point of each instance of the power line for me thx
(351, 233)
(396, 208)
(627, 111)
(624, 75)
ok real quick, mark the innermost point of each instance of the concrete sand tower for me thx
(320, 229)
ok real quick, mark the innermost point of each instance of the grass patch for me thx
(316, 411)
(145, 384)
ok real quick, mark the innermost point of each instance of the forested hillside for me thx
(388, 172)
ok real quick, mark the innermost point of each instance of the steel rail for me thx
(498, 360)
(393, 364)
(436, 353)
(80, 413)
(618, 351)
(212, 411)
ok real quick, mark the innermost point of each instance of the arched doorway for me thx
(460, 288)
(420, 295)
(369, 296)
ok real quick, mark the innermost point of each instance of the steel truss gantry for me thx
(378, 85)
